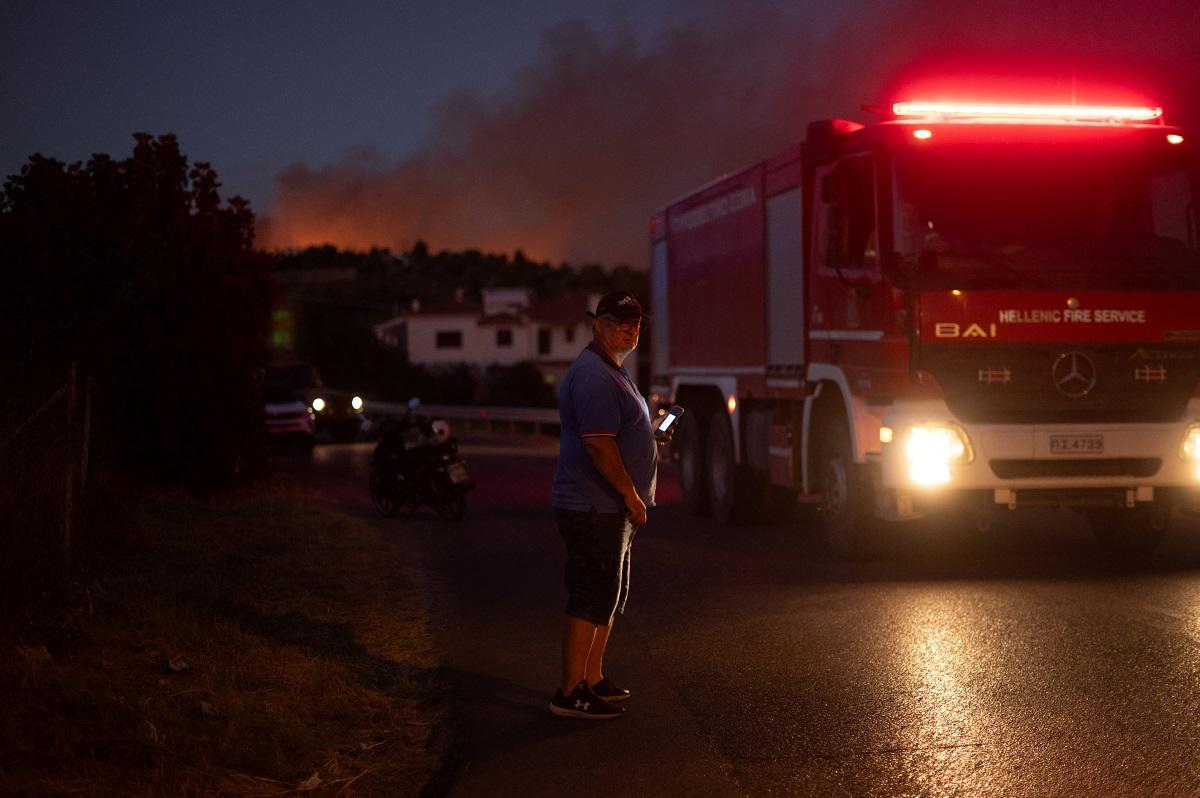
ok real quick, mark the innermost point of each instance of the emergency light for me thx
(1018, 112)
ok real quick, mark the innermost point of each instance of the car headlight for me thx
(356, 403)
(1189, 447)
(932, 448)
(318, 404)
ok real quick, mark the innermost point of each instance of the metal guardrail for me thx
(515, 419)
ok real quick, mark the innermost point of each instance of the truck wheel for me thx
(688, 444)
(730, 486)
(1132, 531)
(847, 503)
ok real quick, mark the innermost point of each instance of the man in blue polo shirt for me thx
(607, 464)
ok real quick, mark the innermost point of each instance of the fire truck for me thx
(962, 308)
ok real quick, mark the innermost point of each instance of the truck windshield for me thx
(969, 216)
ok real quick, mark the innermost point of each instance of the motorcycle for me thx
(417, 463)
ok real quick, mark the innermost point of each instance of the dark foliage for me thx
(521, 385)
(135, 270)
(387, 280)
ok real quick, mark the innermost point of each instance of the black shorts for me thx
(597, 573)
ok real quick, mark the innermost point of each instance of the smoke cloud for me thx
(604, 127)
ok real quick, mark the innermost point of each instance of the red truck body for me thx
(982, 308)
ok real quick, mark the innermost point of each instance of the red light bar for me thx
(1075, 113)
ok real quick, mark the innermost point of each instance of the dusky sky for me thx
(254, 86)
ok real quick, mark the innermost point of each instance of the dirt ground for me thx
(249, 645)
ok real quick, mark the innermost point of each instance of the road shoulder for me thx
(244, 644)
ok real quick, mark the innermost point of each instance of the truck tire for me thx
(722, 469)
(688, 445)
(1129, 531)
(847, 502)
(732, 493)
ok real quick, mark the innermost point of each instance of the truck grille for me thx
(1116, 467)
(988, 383)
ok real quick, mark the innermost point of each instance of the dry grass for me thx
(253, 645)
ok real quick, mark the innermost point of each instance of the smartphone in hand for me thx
(668, 423)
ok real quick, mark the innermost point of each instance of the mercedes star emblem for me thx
(1074, 374)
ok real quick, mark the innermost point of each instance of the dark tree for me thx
(135, 271)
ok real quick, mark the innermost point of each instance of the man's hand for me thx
(635, 509)
(665, 437)
(604, 454)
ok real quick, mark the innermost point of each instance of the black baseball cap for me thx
(620, 305)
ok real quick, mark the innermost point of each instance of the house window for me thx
(543, 341)
(570, 334)
(503, 337)
(450, 339)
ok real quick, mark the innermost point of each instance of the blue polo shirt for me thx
(598, 398)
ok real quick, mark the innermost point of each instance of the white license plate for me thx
(457, 472)
(1076, 444)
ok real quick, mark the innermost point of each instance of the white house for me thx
(507, 327)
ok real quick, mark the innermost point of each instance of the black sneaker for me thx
(583, 703)
(609, 691)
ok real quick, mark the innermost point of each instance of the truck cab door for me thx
(847, 299)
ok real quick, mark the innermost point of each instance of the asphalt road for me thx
(1017, 663)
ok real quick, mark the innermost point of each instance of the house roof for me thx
(394, 323)
(448, 308)
(568, 309)
(443, 308)
(501, 320)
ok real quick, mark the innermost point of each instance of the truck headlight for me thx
(1189, 447)
(932, 448)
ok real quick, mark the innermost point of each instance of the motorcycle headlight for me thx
(931, 449)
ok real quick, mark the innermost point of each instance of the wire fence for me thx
(44, 477)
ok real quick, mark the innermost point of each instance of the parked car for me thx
(289, 419)
(340, 413)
